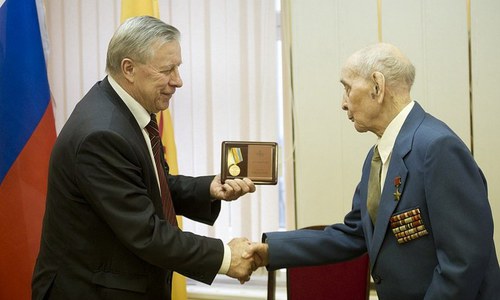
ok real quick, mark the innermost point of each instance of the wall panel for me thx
(328, 150)
(485, 42)
(434, 36)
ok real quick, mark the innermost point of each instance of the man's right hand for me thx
(241, 268)
(259, 252)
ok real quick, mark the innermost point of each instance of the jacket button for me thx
(376, 279)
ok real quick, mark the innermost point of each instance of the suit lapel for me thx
(122, 107)
(137, 135)
(397, 168)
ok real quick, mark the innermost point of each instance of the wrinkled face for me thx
(357, 101)
(156, 81)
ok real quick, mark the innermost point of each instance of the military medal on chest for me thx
(397, 184)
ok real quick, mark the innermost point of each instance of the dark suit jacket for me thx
(104, 234)
(456, 260)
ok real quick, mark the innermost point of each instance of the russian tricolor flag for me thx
(27, 134)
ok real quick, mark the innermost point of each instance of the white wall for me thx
(485, 38)
(434, 36)
(328, 151)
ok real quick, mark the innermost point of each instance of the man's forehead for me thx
(346, 74)
(170, 50)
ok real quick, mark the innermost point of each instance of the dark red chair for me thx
(347, 280)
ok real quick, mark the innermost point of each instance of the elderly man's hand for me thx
(259, 252)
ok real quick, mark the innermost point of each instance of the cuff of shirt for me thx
(226, 261)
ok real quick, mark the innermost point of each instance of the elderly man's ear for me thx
(378, 86)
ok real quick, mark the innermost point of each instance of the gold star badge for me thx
(397, 195)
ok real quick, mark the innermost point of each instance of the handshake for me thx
(246, 257)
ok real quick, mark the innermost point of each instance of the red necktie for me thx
(166, 199)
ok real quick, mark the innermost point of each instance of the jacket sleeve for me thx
(336, 243)
(191, 197)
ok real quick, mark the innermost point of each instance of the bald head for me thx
(387, 59)
(377, 81)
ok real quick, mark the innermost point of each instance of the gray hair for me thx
(135, 39)
(388, 60)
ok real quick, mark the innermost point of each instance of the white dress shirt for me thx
(386, 142)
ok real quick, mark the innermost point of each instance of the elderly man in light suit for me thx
(429, 234)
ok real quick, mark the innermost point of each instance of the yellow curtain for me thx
(131, 8)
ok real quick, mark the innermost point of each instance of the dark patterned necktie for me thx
(166, 199)
(373, 200)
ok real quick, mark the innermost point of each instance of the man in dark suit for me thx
(106, 231)
(429, 231)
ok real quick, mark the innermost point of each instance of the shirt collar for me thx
(140, 114)
(386, 142)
